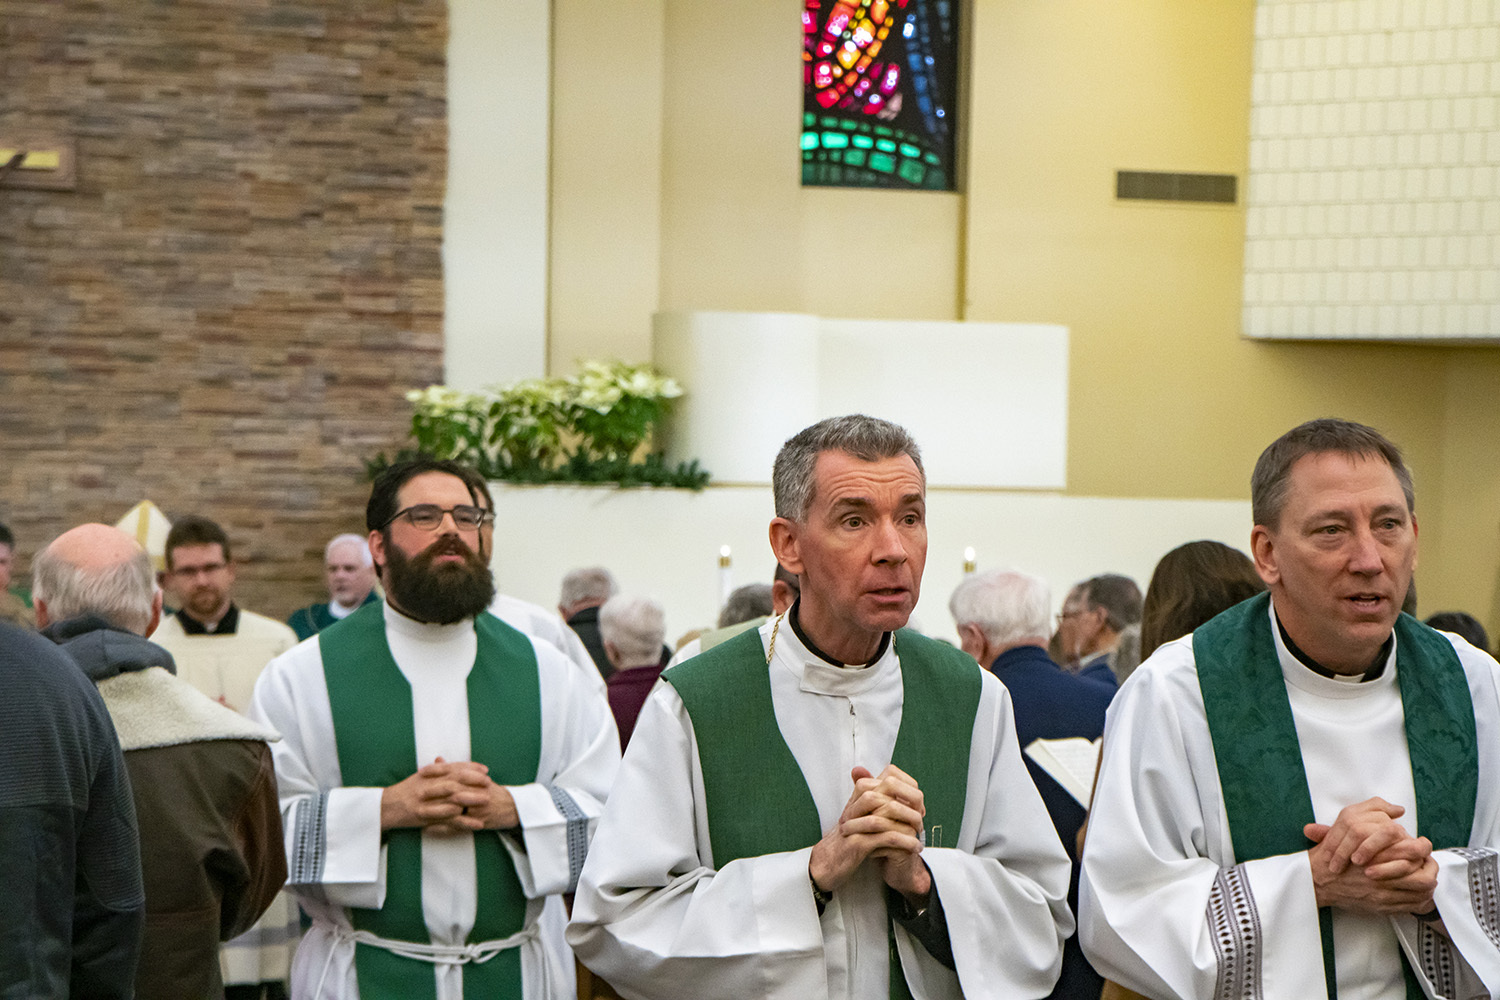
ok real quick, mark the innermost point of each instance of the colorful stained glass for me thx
(880, 85)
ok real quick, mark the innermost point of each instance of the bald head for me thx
(99, 570)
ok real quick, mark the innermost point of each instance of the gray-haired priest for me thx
(1301, 798)
(439, 771)
(829, 806)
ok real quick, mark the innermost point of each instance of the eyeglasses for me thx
(429, 516)
(1063, 616)
(189, 572)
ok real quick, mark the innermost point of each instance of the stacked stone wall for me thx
(223, 315)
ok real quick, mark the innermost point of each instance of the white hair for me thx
(121, 594)
(635, 626)
(349, 538)
(1007, 605)
(593, 583)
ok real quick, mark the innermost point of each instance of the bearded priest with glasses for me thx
(440, 772)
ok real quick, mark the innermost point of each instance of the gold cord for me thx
(771, 646)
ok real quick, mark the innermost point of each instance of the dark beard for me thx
(441, 594)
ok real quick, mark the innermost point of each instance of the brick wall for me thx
(224, 314)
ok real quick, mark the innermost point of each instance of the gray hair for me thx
(592, 583)
(1271, 480)
(348, 538)
(121, 594)
(868, 439)
(1007, 605)
(635, 626)
(753, 600)
(1119, 596)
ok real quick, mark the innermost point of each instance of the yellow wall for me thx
(1167, 400)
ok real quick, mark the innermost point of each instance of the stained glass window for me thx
(879, 85)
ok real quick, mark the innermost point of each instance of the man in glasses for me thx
(221, 648)
(440, 772)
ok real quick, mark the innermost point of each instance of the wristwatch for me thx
(821, 896)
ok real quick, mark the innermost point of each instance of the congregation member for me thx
(15, 600)
(72, 907)
(632, 629)
(220, 649)
(1095, 614)
(748, 607)
(350, 574)
(1189, 586)
(201, 777)
(1461, 623)
(1002, 618)
(831, 805)
(440, 772)
(1300, 799)
(584, 592)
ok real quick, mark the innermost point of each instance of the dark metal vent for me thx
(1149, 185)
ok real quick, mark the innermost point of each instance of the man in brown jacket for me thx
(205, 792)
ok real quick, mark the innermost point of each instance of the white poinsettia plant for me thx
(594, 426)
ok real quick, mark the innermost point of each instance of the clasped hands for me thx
(1367, 861)
(883, 822)
(448, 797)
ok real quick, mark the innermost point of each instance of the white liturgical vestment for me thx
(335, 855)
(1163, 908)
(655, 919)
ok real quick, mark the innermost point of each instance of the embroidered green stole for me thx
(371, 704)
(727, 693)
(1260, 761)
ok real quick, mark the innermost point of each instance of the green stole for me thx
(371, 705)
(1260, 761)
(727, 693)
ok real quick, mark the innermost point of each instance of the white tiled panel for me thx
(1373, 201)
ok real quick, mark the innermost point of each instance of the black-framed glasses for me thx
(429, 516)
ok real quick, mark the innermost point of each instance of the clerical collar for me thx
(1372, 672)
(224, 626)
(812, 647)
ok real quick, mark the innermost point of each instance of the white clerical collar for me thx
(337, 610)
(405, 625)
(818, 676)
(1299, 675)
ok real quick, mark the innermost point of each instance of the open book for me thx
(1070, 762)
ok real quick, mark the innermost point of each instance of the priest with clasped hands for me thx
(1302, 798)
(832, 805)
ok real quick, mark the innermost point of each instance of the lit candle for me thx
(969, 564)
(726, 576)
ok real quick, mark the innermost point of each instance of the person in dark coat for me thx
(584, 591)
(204, 788)
(72, 906)
(1002, 619)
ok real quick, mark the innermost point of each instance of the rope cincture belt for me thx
(443, 954)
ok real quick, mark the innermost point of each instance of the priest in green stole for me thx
(350, 573)
(440, 772)
(1302, 798)
(831, 806)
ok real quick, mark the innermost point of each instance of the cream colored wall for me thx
(495, 207)
(1167, 400)
(605, 249)
(676, 185)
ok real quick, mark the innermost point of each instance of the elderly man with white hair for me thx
(204, 788)
(350, 573)
(632, 629)
(1003, 618)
